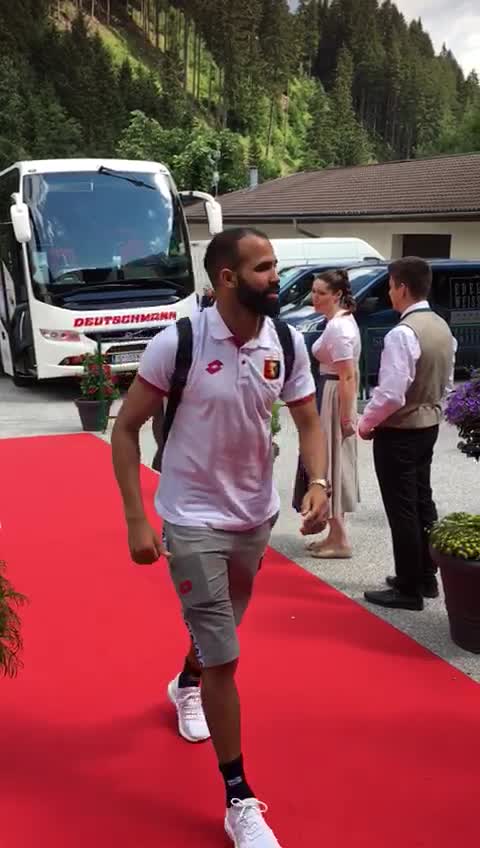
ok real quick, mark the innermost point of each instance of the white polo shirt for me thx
(217, 467)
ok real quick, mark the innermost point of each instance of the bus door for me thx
(9, 268)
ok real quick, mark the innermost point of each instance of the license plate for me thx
(130, 356)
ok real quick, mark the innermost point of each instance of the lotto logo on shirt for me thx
(271, 369)
(214, 367)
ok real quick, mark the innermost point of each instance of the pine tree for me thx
(277, 44)
(321, 136)
(308, 32)
(351, 142)
(232, 163)
(13, 112)
(236, 46)
(172, 104)
(50, 128)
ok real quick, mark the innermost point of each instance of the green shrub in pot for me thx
(455, 549)
(458, 535)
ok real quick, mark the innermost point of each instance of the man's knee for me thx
(220, 673)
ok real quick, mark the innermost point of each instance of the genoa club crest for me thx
(271, 369)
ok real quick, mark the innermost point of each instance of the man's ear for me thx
(228, 278)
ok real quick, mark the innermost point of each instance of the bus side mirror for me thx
(214, 216)
(212, 208)
(21, 222)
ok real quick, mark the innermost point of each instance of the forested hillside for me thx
(211, 86)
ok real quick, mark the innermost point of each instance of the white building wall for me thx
(386, 236)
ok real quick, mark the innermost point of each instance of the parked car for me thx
(296, 283)
(455, 296)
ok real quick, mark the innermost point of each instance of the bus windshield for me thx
(106, 228)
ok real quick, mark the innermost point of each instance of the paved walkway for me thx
(47, 410)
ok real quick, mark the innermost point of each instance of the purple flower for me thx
(463, 405)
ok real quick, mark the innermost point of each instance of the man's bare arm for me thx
(313, 450)
(140, 404)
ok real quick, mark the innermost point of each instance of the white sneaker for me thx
(192, 724)
(246, 827)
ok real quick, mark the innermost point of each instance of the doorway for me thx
(427, 246)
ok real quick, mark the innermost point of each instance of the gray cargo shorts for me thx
(213, 572)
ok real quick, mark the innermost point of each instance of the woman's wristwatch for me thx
(320, 481)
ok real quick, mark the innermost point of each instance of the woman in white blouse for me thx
(338, 353)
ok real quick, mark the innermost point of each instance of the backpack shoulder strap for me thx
(285, 338)
(183, 361)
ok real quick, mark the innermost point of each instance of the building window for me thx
(428, 246)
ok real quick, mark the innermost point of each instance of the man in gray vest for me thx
(403, 418)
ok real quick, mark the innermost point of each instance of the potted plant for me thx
(462, 410)
(11, 643)
(275, 428)
(98, 389)
(455, 549)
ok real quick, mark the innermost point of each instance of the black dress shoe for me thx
(429, 588)
(394, 599)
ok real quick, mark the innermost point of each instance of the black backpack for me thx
(183, 361)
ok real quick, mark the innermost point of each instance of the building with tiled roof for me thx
(428, 207)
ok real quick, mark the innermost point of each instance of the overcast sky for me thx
(455, 22)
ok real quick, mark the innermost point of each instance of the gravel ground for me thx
(47, 409)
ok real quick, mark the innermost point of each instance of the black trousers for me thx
(403, 461)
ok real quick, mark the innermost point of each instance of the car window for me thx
(296, 292)
(362, 277)
(381, 291)
(359, 279)
(456, 297)
(456, 291)
(286, 275)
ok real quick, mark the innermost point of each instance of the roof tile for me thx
(441, 184)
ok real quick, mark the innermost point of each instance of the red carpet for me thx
(354, 734)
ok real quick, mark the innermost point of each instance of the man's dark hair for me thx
(222, 252)
(414, 273)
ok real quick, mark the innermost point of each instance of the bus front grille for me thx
(140, 335)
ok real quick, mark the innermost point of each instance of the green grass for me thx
(130, 43)
(118, 46)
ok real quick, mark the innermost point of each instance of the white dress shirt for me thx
(398, 364)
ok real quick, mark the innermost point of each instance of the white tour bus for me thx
(91, 250)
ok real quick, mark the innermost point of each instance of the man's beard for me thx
(256, 301)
